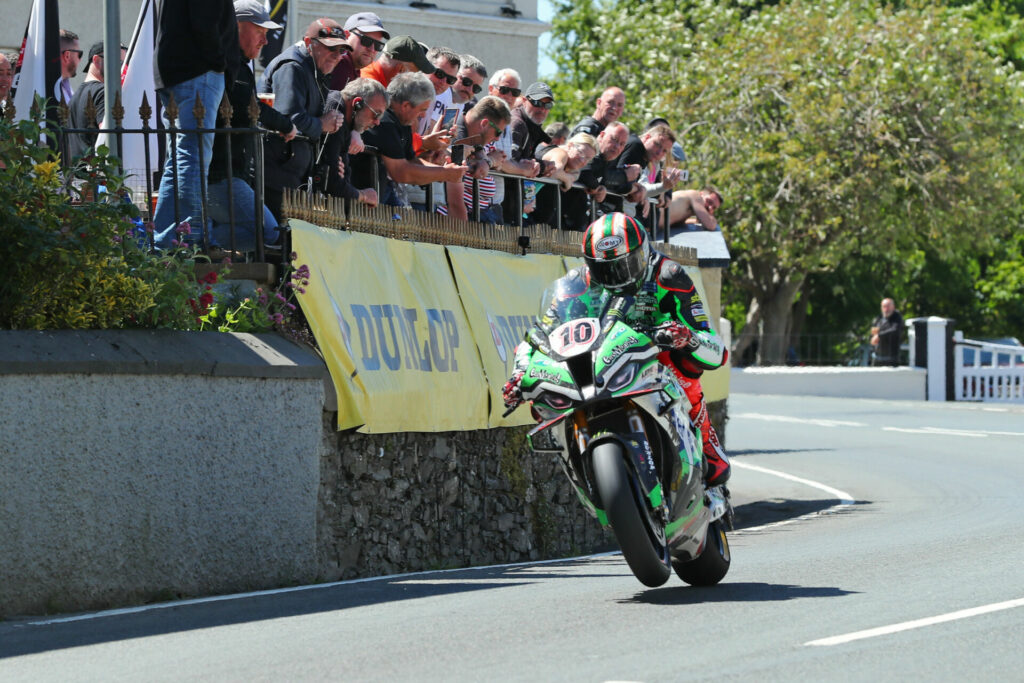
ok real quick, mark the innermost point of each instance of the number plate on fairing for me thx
(574, 337)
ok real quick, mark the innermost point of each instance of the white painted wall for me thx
(886, 383)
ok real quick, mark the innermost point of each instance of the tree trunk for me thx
(750, 333)
(777, 317)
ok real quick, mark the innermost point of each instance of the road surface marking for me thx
(918, 623)
(801, 420)
(845, 499)
(951, 432)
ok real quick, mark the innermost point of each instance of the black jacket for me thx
(243, 145)
(194, 37)
(299, 91)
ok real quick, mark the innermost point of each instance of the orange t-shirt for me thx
(374, 72)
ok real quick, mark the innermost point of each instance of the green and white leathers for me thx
(619, 417)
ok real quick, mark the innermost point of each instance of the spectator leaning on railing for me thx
(600, 176)
(253, 24)
(294, 78)
(411, 94)
(567, 161)
(698, 204)
(363, 103)
(481, 125)
(647, 151)
(526, 133)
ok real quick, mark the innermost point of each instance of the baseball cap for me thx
(97, 49)
(539, 90)
(406, 49)
(366, 22)
(677, 152)
(254, 12)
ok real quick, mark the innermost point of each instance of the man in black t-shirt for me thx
(411, 95)
(885, 335)
(607, 109)
(90, 91)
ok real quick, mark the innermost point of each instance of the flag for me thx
(136, 80)
(38, 65)
(278, 10)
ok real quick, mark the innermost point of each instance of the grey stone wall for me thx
(392, 503)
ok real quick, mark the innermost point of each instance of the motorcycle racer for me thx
(619, 260)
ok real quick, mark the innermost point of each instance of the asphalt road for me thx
(879, 541)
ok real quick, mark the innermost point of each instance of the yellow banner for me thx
(405, 359)
(501, 294)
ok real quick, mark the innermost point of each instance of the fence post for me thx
(931, 347)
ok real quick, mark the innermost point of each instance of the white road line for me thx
(295, 589)
(845, 499)
(935, 430)
(918, 623)
(800, 420)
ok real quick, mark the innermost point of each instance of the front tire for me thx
(713, 563)
(639, 536)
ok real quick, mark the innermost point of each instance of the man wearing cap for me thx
(401, 54)
(527, 134)
(296, 77)
(253, 24)
(91, 90)
(366, 37)
(196, 57)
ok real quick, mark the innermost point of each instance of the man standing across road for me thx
(885, 335)
(196, 57)
(610, 106)
(91, 90)
(699, 204)
(296, 77)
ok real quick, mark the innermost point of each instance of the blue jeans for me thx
(209, 88)
(245, 216)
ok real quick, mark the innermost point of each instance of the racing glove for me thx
(674, 335)
(512, 393)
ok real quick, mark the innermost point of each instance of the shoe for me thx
(718, 469)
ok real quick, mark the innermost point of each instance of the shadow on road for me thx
(32, 636)
(733, 592)
(773, 451)
(778, 509)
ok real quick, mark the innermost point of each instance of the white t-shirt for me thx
(435, 112)
(504, 143)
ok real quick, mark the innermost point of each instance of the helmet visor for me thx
(617, 273)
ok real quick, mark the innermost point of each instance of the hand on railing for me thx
(355, 144)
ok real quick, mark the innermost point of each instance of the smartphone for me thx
(450, 113)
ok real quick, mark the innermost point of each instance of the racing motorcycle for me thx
(618, 419)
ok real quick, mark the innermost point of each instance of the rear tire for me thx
(713, 563)
(640, 537)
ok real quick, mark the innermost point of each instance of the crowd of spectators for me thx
(351, 111)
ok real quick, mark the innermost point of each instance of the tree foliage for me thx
(840, 132)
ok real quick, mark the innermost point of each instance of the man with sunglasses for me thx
(526, 135)
(397, 163)
(363, 103)
(366, 37)
(70, 57)
(402, 54)
(297, 79)
(481, 126)
(470, 81)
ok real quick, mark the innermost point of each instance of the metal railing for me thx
(984, 371)
(141, 181)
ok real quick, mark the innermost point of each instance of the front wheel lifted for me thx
(628, 513)
(713, 563)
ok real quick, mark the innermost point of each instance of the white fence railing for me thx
(984, 371)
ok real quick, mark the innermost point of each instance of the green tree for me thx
(836, 130)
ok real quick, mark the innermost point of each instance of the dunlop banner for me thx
(501, 294)
(387, 317)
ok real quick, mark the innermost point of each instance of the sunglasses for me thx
(468, 82)
(505, 90)
(441, 75)
(498, 131)
(77, 52)
(344, 47)
(542, 105)
(367, 41)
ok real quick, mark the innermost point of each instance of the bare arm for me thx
(417, 172)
